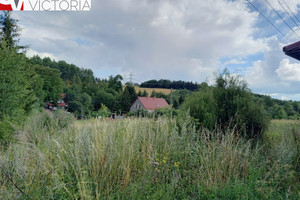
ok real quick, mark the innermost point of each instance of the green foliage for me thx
(145, 94)
(9, 31)
(147, 159)
(229, 104)
(15, 87)
(179, 97)
(279, 109)
(81, 106)
(103, 97)
(203, 107)
(142, 94)
(139, 113)
(278, 112)
(102, 112)
(52, 84)
(160, 95)
(163, 83)
(128, 97)
(76, 107)
(115, 83)
(6, 133)
(68, 71)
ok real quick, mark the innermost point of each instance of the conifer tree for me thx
(9, 31)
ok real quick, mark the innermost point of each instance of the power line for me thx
(281, 18)
(291, 11)
(287, 13)
(266, 18)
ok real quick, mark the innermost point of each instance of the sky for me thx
(190, 40)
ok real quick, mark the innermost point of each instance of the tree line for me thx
(164, 83)
(28, 83)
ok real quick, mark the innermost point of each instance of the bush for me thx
(229, 104)
(6, 133)
(63, 119)
(102, 112)
(46, 120)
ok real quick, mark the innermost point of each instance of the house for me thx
(61, 104)
(148, 103)
(50, 106)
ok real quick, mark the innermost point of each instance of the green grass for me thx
(138, 158)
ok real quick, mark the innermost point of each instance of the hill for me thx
(150, 90)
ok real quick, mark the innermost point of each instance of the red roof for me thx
(49, 104)
(61, 104)
(153, 103)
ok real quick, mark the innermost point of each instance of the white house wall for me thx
(137, 105)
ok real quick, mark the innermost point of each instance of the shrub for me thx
(6, 132)
(229, 104)
(63, 119)
(102, 112)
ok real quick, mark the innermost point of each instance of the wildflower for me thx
(164, 161)
(176, 164)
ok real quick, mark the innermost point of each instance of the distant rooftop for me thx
(153, 103)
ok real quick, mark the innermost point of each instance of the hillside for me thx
(150, 90)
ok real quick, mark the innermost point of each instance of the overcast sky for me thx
(173, 39)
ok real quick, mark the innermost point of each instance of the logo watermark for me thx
(45, 5)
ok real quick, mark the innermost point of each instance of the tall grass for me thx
(139, 158)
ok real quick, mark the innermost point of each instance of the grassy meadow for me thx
(142, 158)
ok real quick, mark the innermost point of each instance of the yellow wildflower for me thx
(176, 164)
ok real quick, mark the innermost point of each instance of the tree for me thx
(115, 83)
(15, 87)
(229, 104)
(145, 93)
(128, 97)
(278, 112)
(16, 94)
(53, 84)
(81, 105)
(9, 31)
(103, 97)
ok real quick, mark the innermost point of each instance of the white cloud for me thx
(30, 53)
(288, 71)
(234, 62)
(172, 39)
(149, 38)
(284, 98)
(274, 75)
